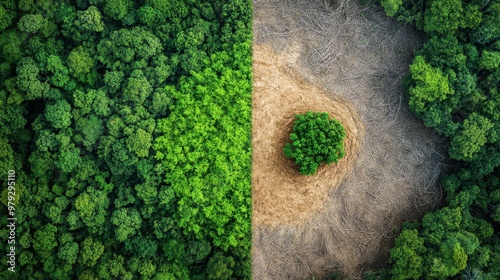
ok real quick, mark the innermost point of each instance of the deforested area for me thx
(279, 95)
(354, 53)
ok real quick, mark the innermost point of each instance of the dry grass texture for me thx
(338, 220)
(280, 194)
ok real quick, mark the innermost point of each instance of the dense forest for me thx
(454, 87)
(128, 126)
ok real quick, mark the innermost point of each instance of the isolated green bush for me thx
(315, 139)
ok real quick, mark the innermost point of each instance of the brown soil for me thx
(347, 59)
(280, 194)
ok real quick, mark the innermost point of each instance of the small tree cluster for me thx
(315, 139)
(453, 87)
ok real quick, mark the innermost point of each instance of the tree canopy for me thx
(454, 86)
(128, 126)
(315, 139)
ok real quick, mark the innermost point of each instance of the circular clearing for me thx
(280, 194)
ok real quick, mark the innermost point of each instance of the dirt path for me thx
(347, 59)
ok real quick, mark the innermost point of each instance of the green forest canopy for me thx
(128, 126)
(454, 87)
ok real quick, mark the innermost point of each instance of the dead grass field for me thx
(278, 95)
(347, 59)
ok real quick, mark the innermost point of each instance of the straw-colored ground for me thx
(278, 95)
(347, 59)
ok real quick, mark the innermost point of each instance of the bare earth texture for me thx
(348, 60)
(278, 96)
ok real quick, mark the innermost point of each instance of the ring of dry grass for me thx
(354, 51)
(280, 194)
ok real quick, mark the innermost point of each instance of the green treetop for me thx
(315, 139)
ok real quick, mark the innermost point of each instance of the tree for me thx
(91, 251)
(124, 46)
(79, 61)
(113, 266)
(113, 80)
(469, 140)
(443, 16)
(82, 92)
(141, 246)
(407, 255)
(11, 50)
(59, 114)
(90, 19)
(7, 14)
(69, 252)
(28, 80)
(92, 206)
(127, 222)
(117, 9)
(220, 267)
(444, 52)
(391, 6)
(160, 102)
(60, 73)
(44, 239)
(455, 90)
(139, 142)
(431, 85)
(489, 60)
(91, 129)
(68, 159)
(138, 88)
(451, 243)
(315, 139)
(30, 23)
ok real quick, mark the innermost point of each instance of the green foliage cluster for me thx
(128, 126)
(454, 87)
(315, 139)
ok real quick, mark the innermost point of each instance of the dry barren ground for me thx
(279, 94)
(347, 59)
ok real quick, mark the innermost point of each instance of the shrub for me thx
(315, 139)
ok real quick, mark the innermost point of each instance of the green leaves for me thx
(205, 150)
(44, 238)
(440, 250)
(117, 9)
(30, 23)
(59, 114)
(315, 139)
(90, 19)
(407, 255)
(126, 221)
(127, 45)
(443, 16)
(7, 14)
(431, 84)
(490, 60)
(113, 80)
(69, 252)
(220, 267)
(60, 73)
(91, 251)
(391, 6)
(27, 79)
(469, 140)
(455, 90)
(79, 61)
(83, 87)
(138, 88)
